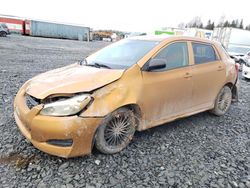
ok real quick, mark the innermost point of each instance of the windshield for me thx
(4, 26)
(241, 50)
(122, 54)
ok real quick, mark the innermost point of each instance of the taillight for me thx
(237, 67)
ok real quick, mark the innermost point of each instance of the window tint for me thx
(203, 53)
(175, 55)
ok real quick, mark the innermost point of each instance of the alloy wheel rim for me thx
(118, 130)
(224, 101)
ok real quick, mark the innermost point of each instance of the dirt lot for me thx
(199, 151)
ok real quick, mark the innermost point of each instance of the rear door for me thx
(209, 73)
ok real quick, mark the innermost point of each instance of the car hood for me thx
(71, 79)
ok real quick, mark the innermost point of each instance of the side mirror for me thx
(154, 64)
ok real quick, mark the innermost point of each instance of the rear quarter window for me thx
(203, 53)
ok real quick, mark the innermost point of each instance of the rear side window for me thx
(175, 55)
(203, 53)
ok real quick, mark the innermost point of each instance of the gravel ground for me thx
(199, 151)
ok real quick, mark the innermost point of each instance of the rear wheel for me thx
(116, 131)
(223, 101)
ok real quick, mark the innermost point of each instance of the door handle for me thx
(187, 75)
(220, 68)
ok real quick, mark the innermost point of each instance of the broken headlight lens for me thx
(66, 107)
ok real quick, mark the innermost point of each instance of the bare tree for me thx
(195, 22)
(181, 25)
(221, 21)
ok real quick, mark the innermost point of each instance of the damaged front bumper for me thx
(61, 136)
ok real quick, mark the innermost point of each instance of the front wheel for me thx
(116, 131)
(3, 34)
(222, 102)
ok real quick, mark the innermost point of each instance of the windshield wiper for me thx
(102, 65)
(83, 62)
(98, 65)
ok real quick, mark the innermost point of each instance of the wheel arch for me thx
(134, 107)
(234, 90)
(229, 84)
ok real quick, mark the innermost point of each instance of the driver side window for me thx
(175, 55)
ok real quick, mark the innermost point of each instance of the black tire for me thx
(3, 34)
(222, 102)
(241, 62)
(245, 79)
(116, 131)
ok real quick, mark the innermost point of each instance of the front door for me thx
(167, 91)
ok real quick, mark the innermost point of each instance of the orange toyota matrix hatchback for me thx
(130, 85)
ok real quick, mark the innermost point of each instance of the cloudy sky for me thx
(127, 15)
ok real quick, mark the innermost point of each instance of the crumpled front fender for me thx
(117, 94)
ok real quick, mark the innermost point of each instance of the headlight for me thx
(66, 107)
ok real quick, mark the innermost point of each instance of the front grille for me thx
(31, 101)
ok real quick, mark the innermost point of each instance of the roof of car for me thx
(162, 38)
